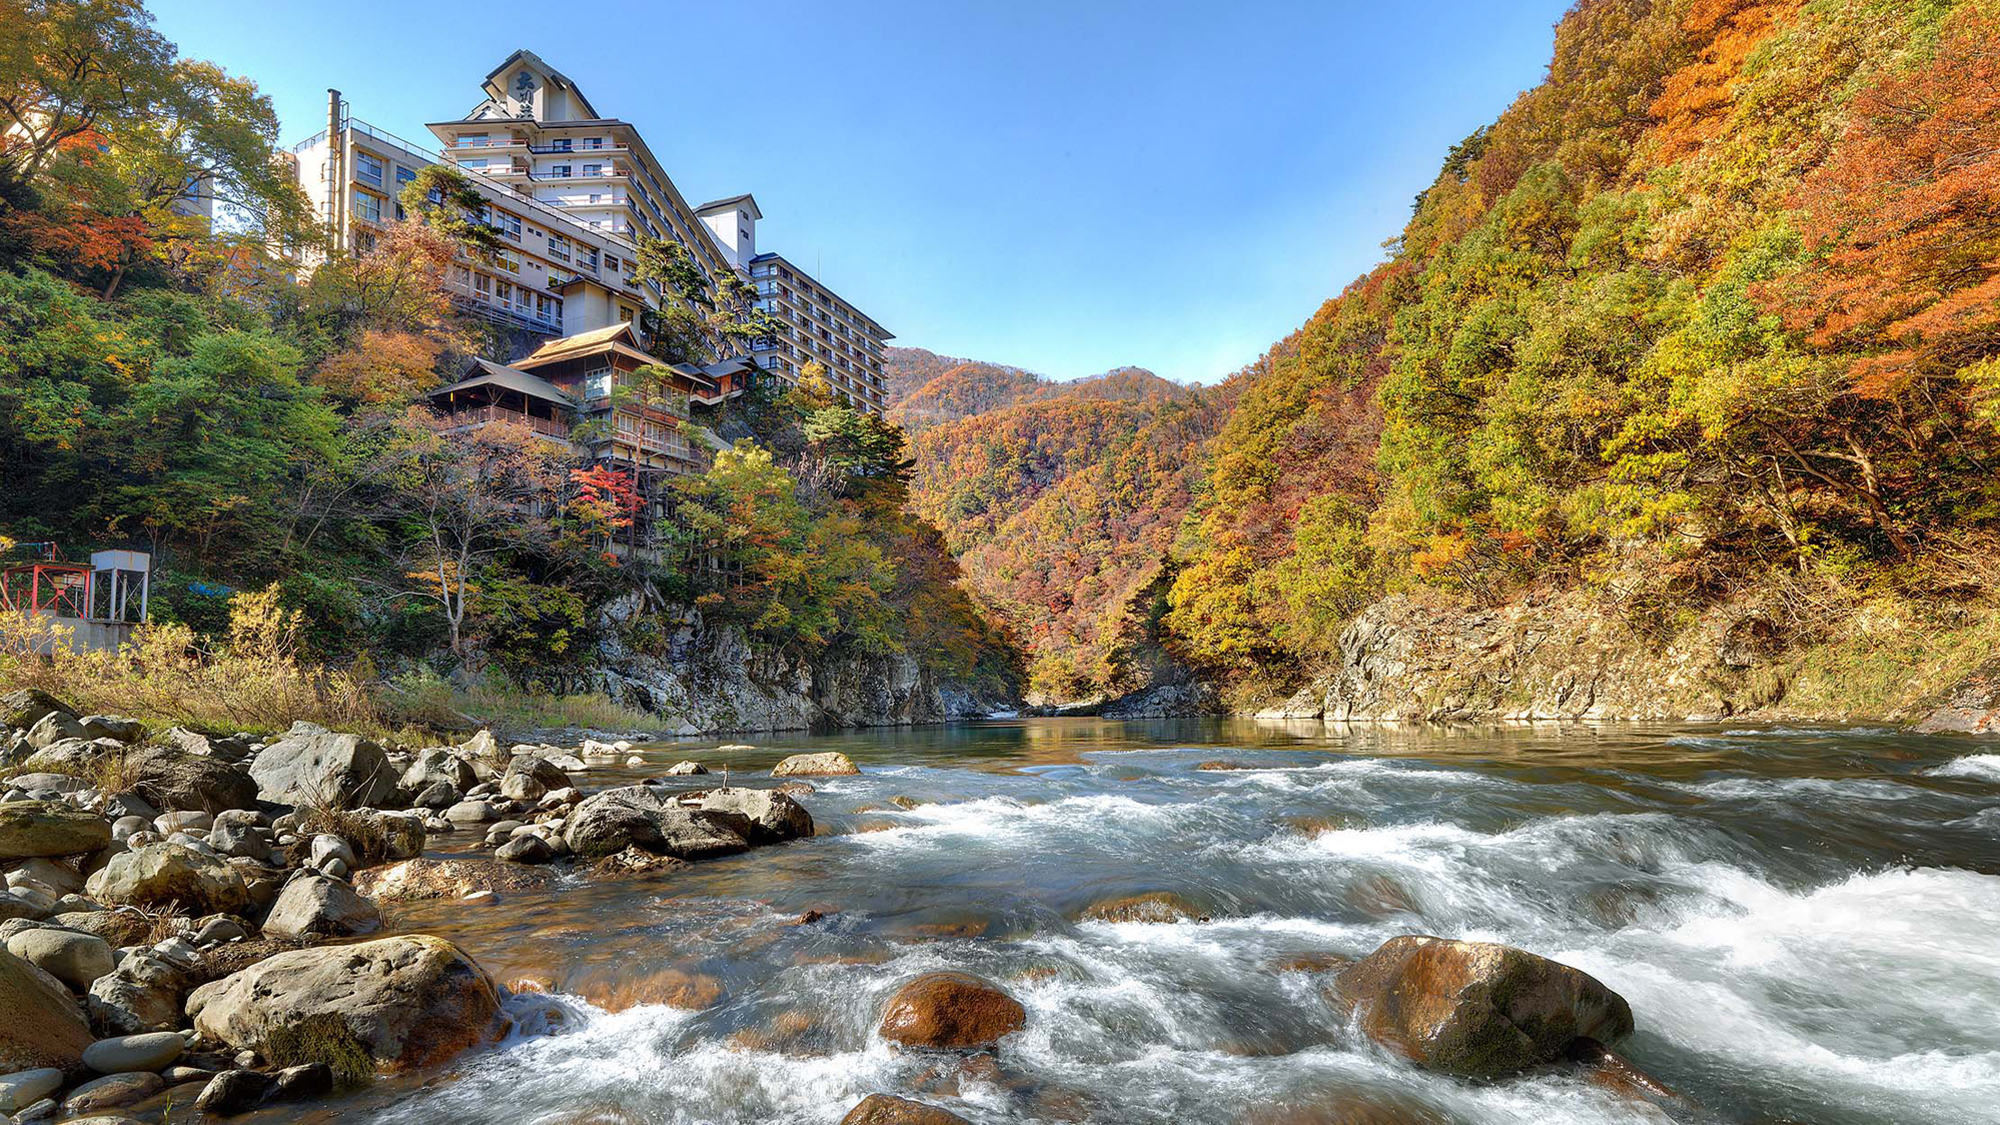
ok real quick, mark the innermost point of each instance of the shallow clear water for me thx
(1806, 922)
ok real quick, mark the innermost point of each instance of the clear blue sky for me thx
(1066, 186)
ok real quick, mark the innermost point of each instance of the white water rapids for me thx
(1806, 924)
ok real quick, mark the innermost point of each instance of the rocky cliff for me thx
(704, 679)
(1572, 656)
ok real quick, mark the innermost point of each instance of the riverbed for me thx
(1805, 921)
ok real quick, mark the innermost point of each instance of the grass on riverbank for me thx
(427, 700)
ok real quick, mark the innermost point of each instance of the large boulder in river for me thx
(173, 779)
(887, 1109)
(827, 764)
(639, 816)
(761, 816)
(144, 993)
(49, 828)
(405, 1001)
(313, 765)
(1474, 1009)
(319, 906)
(420, 879)
(951, 1011)
(43, 1026)
(167, 874)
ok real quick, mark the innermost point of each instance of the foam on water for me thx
(1981, 767)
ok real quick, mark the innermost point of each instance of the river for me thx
(1806, 923)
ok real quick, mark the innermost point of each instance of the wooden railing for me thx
(480, 415)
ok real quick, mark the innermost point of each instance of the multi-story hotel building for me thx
(571, 191)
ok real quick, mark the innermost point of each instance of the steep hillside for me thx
(1708, 322)
(1061, 505)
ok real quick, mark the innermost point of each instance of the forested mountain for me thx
(1709, 315)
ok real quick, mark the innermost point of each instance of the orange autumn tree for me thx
(605, 504)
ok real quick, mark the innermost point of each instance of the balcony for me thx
(576, 174)
(481, 415)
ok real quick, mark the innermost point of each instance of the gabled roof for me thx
(731, 203)
(532, 59)
(486, 373)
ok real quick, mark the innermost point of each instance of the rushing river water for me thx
(1806, 922)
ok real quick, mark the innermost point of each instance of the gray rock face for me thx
(525, 849)
(711, 678)
(164, 873)
(153, 1050)
(49, 828)
(637, 816)
(685, 769)
(43, 1026)
(311, 764)
(761, 816)
(144, 993)
(72, 958)
(546, 773)
(407, 1001)
(1474, 1009)
(317, 905)
(232, 1092)
(172, 779)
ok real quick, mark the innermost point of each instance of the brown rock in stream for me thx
(886, 1109)
(1157, 906)
(951, 1011)
(1475, 1009)
(418, 879)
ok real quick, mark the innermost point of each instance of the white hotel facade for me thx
(571, 191)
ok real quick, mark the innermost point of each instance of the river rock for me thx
(144, 993)
(420, 879)
(119, 1054)
(113, 1091)
(54, 727)
(403, 833)
(232, 1092)
(521, 787)
(825, 764)
(685, 769)
(951, 1010)
(174, 779)
(24, 707)
(49, 828)
(167, 874)
(405, 1001)
(24, 1088)
(116, 927)
(547, 773)
(885, 1109)
(472, 812)
(638, 816)
(43, 1027)
(50, 875)
(1475, 1009)
(318, 905)
(1157, 906)
(72, 958)
(313, 765)
(118, 728)
(525, 849)
(439, 765)
(762, 816)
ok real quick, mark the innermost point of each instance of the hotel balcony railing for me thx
(481, 415)
(505, 314)
(605, 174)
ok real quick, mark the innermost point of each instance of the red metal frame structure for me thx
(60, 589)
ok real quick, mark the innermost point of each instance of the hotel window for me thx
(586, 257)
(363, 241)
(508, 260)
(503, 293)
(611, 263)
(461, 277)
(367, 206)
(593, 142)
(597, 384)
(509, 225)
(593, 169)
(559, 248)
(624, 312)
(472, 139)
(548, 308)
(367, 169)
(560, 169)
(594, 197)
(476, 163)
(560, 144)
(482, 285)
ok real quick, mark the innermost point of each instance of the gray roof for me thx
(731, 202)
(486, 373)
